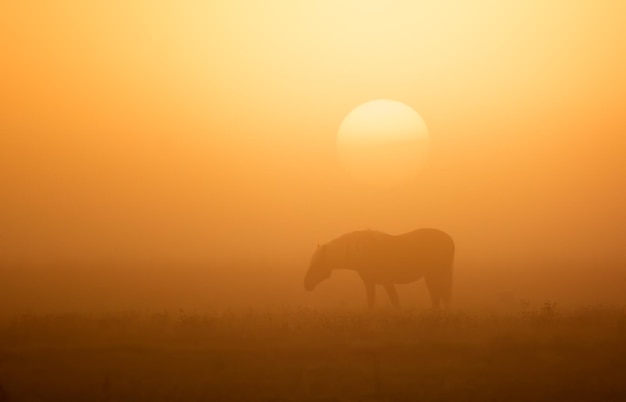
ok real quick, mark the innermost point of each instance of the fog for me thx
(163, 156)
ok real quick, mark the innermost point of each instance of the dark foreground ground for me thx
(534, 355)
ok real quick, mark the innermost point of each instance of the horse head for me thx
(319, 270)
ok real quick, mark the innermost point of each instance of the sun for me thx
(383, 142)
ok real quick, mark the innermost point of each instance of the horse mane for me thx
(357, 235)
(345, 248)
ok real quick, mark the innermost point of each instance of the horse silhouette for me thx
(383, 259)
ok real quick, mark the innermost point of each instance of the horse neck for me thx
(340, 255)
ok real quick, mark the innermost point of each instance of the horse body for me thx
(383, 259)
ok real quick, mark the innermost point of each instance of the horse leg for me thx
(370, 291)
(393, 294)
(434, 288)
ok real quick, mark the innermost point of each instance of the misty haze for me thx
(381, 200)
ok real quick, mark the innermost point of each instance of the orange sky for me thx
(190, 132)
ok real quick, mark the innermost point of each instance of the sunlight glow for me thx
(383, 141)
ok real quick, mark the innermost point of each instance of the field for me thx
(537, 354)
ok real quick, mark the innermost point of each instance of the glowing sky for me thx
(194, 130)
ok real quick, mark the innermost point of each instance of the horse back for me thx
(408, 257)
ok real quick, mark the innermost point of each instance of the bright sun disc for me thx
(383, 142)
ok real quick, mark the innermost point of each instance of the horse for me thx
(383, 259)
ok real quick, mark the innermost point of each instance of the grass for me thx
(537, 354)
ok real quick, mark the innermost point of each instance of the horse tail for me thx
(439, 282)
(446, 282)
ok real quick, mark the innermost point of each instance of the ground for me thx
(306, 355)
